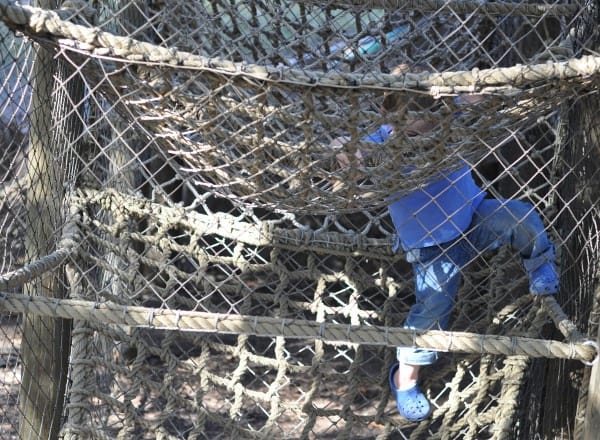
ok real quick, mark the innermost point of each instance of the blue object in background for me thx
(371, 45)
(342, 51)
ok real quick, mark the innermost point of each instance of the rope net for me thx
(196, 240)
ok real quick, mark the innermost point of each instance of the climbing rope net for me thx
(193, 248)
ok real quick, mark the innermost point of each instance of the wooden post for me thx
(46, 341)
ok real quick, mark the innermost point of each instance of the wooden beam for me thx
(46, 341)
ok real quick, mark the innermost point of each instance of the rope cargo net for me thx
(196, 241)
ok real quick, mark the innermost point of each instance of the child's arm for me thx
(468, 99)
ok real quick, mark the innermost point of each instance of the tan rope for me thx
(47, 263)
(502, 80)
(33, 270)
(560, 319)
(41, 22)
(225, 225)
(294, 329)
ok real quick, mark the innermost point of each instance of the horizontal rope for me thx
(460, 6)
(94, 42)
(225, 225)
(109, 313)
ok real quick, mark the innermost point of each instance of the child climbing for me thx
(441, 228)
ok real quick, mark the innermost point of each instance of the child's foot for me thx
(411, 403)
(544, 280)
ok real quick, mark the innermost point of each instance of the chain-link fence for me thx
(198, 238)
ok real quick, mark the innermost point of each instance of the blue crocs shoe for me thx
(544, 279)
(412, 403)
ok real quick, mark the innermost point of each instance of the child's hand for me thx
(339, 142)
(344, 161)
(342, 158)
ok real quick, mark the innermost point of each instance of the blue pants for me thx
(438, 269)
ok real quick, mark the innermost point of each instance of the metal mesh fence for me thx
(195, 225)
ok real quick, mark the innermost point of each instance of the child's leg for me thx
(437, 272)
(517, 223)
(437, 276)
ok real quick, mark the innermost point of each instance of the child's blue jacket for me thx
(437, 213)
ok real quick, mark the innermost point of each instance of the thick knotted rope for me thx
(35, 21)
(225, 225)
(64, 249)
(463, 342)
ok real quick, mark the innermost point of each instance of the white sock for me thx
(407, 386)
